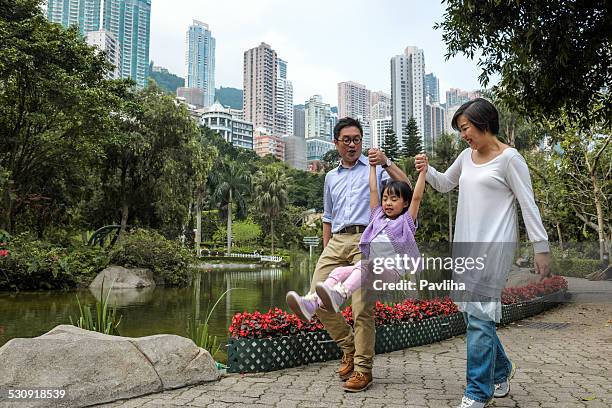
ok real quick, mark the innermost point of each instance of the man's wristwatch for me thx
(387, 164)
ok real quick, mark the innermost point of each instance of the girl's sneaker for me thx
(332, 298)
(303, 306)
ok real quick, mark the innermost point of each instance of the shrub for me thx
(575, 267)
(168, 260)
(34, 264)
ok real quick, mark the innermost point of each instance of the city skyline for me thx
(318, 62)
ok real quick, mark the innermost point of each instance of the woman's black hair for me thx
(400, 189)
(481, 113)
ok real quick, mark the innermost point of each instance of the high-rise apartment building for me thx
(299, 120)
(457, 97)
(105, 41)
(379, 130)
(82, 13)
(200, 60)
(432, 88)
(353, 101)
(380, 105)
(259, 84)
(408, 90)
(317, 119)
(283, 119)
(129, 21)
(434, 125)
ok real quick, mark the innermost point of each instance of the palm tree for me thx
(230, 186)
(271, 194)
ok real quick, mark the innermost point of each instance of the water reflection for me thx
(125, 297)
(157, 310)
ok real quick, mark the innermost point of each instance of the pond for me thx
(160, 310)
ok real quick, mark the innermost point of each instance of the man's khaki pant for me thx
(343, 250)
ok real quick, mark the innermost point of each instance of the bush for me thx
(575, 267)
(34, 264)
(168, 260)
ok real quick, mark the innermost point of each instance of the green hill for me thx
(166, 80)
(229, 97)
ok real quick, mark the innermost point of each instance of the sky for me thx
(324, 42)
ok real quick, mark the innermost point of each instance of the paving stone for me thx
(556, 368)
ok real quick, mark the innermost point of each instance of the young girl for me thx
(390, 232)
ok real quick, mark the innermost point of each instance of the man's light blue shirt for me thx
(346, 195)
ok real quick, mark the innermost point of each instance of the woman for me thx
(491, 176)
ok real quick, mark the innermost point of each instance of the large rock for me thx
(118, 277)
(519, 277)
(95, 368)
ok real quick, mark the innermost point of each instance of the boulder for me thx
(118, 277)
(94, 368)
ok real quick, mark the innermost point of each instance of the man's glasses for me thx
(347, 140)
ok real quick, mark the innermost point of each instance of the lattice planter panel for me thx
(276, 353)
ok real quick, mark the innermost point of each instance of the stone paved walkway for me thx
(561, 367)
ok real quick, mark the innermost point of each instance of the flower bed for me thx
(276, 339)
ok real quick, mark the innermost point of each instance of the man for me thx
(346, 200)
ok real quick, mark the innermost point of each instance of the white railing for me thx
(264, 258)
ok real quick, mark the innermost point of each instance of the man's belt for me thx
(352, 229)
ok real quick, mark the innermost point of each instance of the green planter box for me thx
(276, 353)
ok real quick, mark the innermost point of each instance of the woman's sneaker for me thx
(303, 306)
(331, 298)
(503, 389)
(470, 403)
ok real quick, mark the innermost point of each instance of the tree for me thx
(153, 164)
(553, 56)
(412, 144)
(271, 187)
(390, 145)
(232, 185)
(587, 163)
(55, 107)
(330, 159)
(446, 151)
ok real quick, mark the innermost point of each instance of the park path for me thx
(564, 359)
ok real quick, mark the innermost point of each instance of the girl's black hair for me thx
(400, 189)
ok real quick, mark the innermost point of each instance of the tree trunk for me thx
(6, 220)
(198, 233)
(272, 232)
(559, 234)
(229, 223)
(597, 196)
(125, 209)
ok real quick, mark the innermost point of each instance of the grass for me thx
(105, 320)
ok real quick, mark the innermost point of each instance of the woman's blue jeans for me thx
(487, 363)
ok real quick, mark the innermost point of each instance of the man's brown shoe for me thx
(346, 367)
(358, 382)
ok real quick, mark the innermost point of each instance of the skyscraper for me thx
(259, 81)
(299, 120)
(380, 105)
(200, 60)
(434, 125)
(432, 88)
(83, 13)
(129, 21)
(353, 101)
(317, 118)
(283, 119)
(105, 41)
(408, 90)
